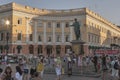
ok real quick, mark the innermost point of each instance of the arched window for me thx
(49, 50)
(40, 49)
(58, 49)
(19, 47)
(31, 49)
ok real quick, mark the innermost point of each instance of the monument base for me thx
(77, 46)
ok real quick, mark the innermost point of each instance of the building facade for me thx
(48, 32)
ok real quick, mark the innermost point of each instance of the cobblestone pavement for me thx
(65, 77)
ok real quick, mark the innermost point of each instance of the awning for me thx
(107, 51)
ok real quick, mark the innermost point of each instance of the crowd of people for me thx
(109, 64)
(29, 69)
(33, 69)
(22, 71)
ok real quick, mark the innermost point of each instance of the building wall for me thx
(95, 30)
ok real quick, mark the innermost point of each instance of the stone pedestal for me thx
(77, 46)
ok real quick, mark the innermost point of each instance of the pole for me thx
(7, 37)
(7, 47)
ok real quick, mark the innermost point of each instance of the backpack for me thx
(116, 66)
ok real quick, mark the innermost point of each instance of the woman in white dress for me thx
(58, 68)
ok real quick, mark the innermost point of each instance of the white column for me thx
(27, 30)
(63, 35)
(71, 32)
(35, 32)
(54, 39)
(45, 32)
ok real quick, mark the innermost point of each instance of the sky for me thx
(109, 9)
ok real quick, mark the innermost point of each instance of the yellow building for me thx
(43, 31)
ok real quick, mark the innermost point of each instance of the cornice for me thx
(6, 10)
(115, 27)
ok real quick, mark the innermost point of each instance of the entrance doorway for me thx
(40, 49)
(58, 49)
(49, 50)
(31, 49)
(19, 47)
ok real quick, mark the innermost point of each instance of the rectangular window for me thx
(19, 21)
(98, 39)
(39, 38)
(58, 38)
(95, 39)
(49, 39)
(19, 36)
(88, 37)
(67, 38)
(92, 38)
(49, 24)
(67, 24)
(7, 36)
(39, 24)
(58, 25)
(30, 37)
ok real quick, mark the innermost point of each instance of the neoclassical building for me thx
(43, 31)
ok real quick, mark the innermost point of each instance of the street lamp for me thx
(7, 36)
(7, 22)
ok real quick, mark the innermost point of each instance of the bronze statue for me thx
(76, 26)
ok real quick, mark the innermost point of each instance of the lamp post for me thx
(7, 36)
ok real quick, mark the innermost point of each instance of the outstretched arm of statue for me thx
(71, 25)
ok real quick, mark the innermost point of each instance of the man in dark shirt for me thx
(95, 61)
(104, 66)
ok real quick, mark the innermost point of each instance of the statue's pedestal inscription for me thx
(77, 46)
